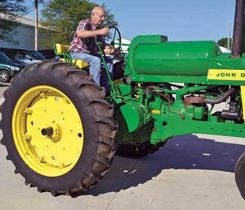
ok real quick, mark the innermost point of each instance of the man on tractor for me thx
(84, 44)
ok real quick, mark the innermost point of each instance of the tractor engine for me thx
(179, 83)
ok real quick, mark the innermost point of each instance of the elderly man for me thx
(83, 45)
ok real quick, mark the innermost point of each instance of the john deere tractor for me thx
(61, 129)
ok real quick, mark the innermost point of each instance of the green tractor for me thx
(61, 130)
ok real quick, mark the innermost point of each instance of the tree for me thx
(63, 16)
(10, 10)
(224, 42)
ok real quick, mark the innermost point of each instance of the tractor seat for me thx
(61, 50)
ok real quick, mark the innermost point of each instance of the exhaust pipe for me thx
(238, 30)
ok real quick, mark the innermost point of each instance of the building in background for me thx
(24, 34)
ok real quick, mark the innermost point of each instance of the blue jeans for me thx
(95, 67)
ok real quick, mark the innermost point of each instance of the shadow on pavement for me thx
(183, 152)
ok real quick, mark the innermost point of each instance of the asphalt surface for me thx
(189, 173)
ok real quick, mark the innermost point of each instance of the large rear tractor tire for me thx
(240, 174)
(58, 129)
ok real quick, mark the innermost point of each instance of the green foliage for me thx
(63, 16)
(11, 9)
(224, 42)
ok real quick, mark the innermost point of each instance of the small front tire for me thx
(240, 174)
(137, 150)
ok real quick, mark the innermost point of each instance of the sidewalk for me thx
(189, 173)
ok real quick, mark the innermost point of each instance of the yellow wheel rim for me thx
(47, 131)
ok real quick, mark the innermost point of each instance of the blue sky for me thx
(178, 19)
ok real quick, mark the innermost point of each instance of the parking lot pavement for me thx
(3, 87)
(190, 172)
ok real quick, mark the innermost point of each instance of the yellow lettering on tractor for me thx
(225, 74)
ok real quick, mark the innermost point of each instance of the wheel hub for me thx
(53, 132)
(3, 76)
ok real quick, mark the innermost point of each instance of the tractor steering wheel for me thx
(113, 41)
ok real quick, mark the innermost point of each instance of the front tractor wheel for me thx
(240, 174)
(58, 129)
(138, 150)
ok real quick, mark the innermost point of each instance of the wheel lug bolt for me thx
(27, 137)
(28, 111)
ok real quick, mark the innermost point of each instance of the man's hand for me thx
(104, 31)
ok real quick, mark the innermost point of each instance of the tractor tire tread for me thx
(101, 111)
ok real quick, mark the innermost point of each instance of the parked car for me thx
(29, 57)
(48, 53)
(8, 68)
(26, 56)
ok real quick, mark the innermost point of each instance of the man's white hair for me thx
(95, 9)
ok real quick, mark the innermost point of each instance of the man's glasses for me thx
(100, 16)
